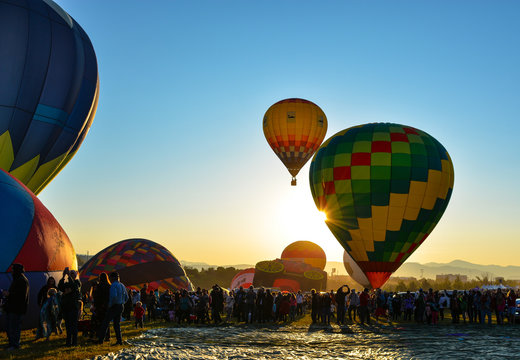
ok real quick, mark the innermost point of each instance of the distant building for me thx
(451, 277)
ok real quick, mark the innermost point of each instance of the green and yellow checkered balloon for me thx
(383, 188)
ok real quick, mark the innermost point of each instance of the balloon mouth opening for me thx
(377, 278)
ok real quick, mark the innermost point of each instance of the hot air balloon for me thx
(383, 188)
(49, 90)
(294, 128)
(306, 251)
(31, 236)
(138, 262)
(243, 278)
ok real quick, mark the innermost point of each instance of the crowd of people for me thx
(108, 300)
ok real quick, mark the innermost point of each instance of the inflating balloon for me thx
(383, 188)
(289, 275)
(243, 278)
(294, 128)
(49, 90)
(31, 236)
(307, 252)
(138, 262)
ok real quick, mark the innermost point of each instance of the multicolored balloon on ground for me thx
(244, 278)
(383, 188)
(49, 89)
(307, 252)
(31, 236)
(138, 262)
(294, 128)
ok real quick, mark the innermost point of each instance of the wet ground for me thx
(326, 342)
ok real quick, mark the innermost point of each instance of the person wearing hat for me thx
(16, 306)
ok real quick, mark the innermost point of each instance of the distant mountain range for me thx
(430, 270)
(409, 269)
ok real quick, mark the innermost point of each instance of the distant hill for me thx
(430, 270)
(203, 266)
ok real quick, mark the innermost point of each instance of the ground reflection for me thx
(325, 342)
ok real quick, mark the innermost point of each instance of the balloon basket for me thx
(293, 182)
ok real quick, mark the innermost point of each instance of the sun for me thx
(299, 219)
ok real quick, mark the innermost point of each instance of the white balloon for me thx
(355, 271)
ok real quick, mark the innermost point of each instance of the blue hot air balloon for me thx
(49, 89)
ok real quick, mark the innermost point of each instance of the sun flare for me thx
(299, 219)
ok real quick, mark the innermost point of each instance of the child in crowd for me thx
(138, 314)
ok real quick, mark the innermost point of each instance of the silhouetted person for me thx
(16, 307)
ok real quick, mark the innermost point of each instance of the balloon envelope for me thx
(383, 188)
(31, 236)
(294, 128)
(355, 271)
(49, 90)
(307, 252)
(244, 278)
(138, 262)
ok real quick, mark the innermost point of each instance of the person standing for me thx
(353, 303)
(138, 314)
(299, 303)
(144, 298)
(250, 304)
(101, 295)
(511, 306)
(364, 314)
(315, 305)
(117, 299)
(340, 304)
(42, 298)
(70, 286)
(217, 303)
(16, 306)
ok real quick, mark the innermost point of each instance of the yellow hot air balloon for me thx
(294, 128)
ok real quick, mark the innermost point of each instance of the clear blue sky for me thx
(176, 152)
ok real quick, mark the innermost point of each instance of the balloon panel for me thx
(49, 91)
(29, 234)
(294, 128)
(285, 284)
(383, 187)
(306, 251)
(137, 261)
(269, 273)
